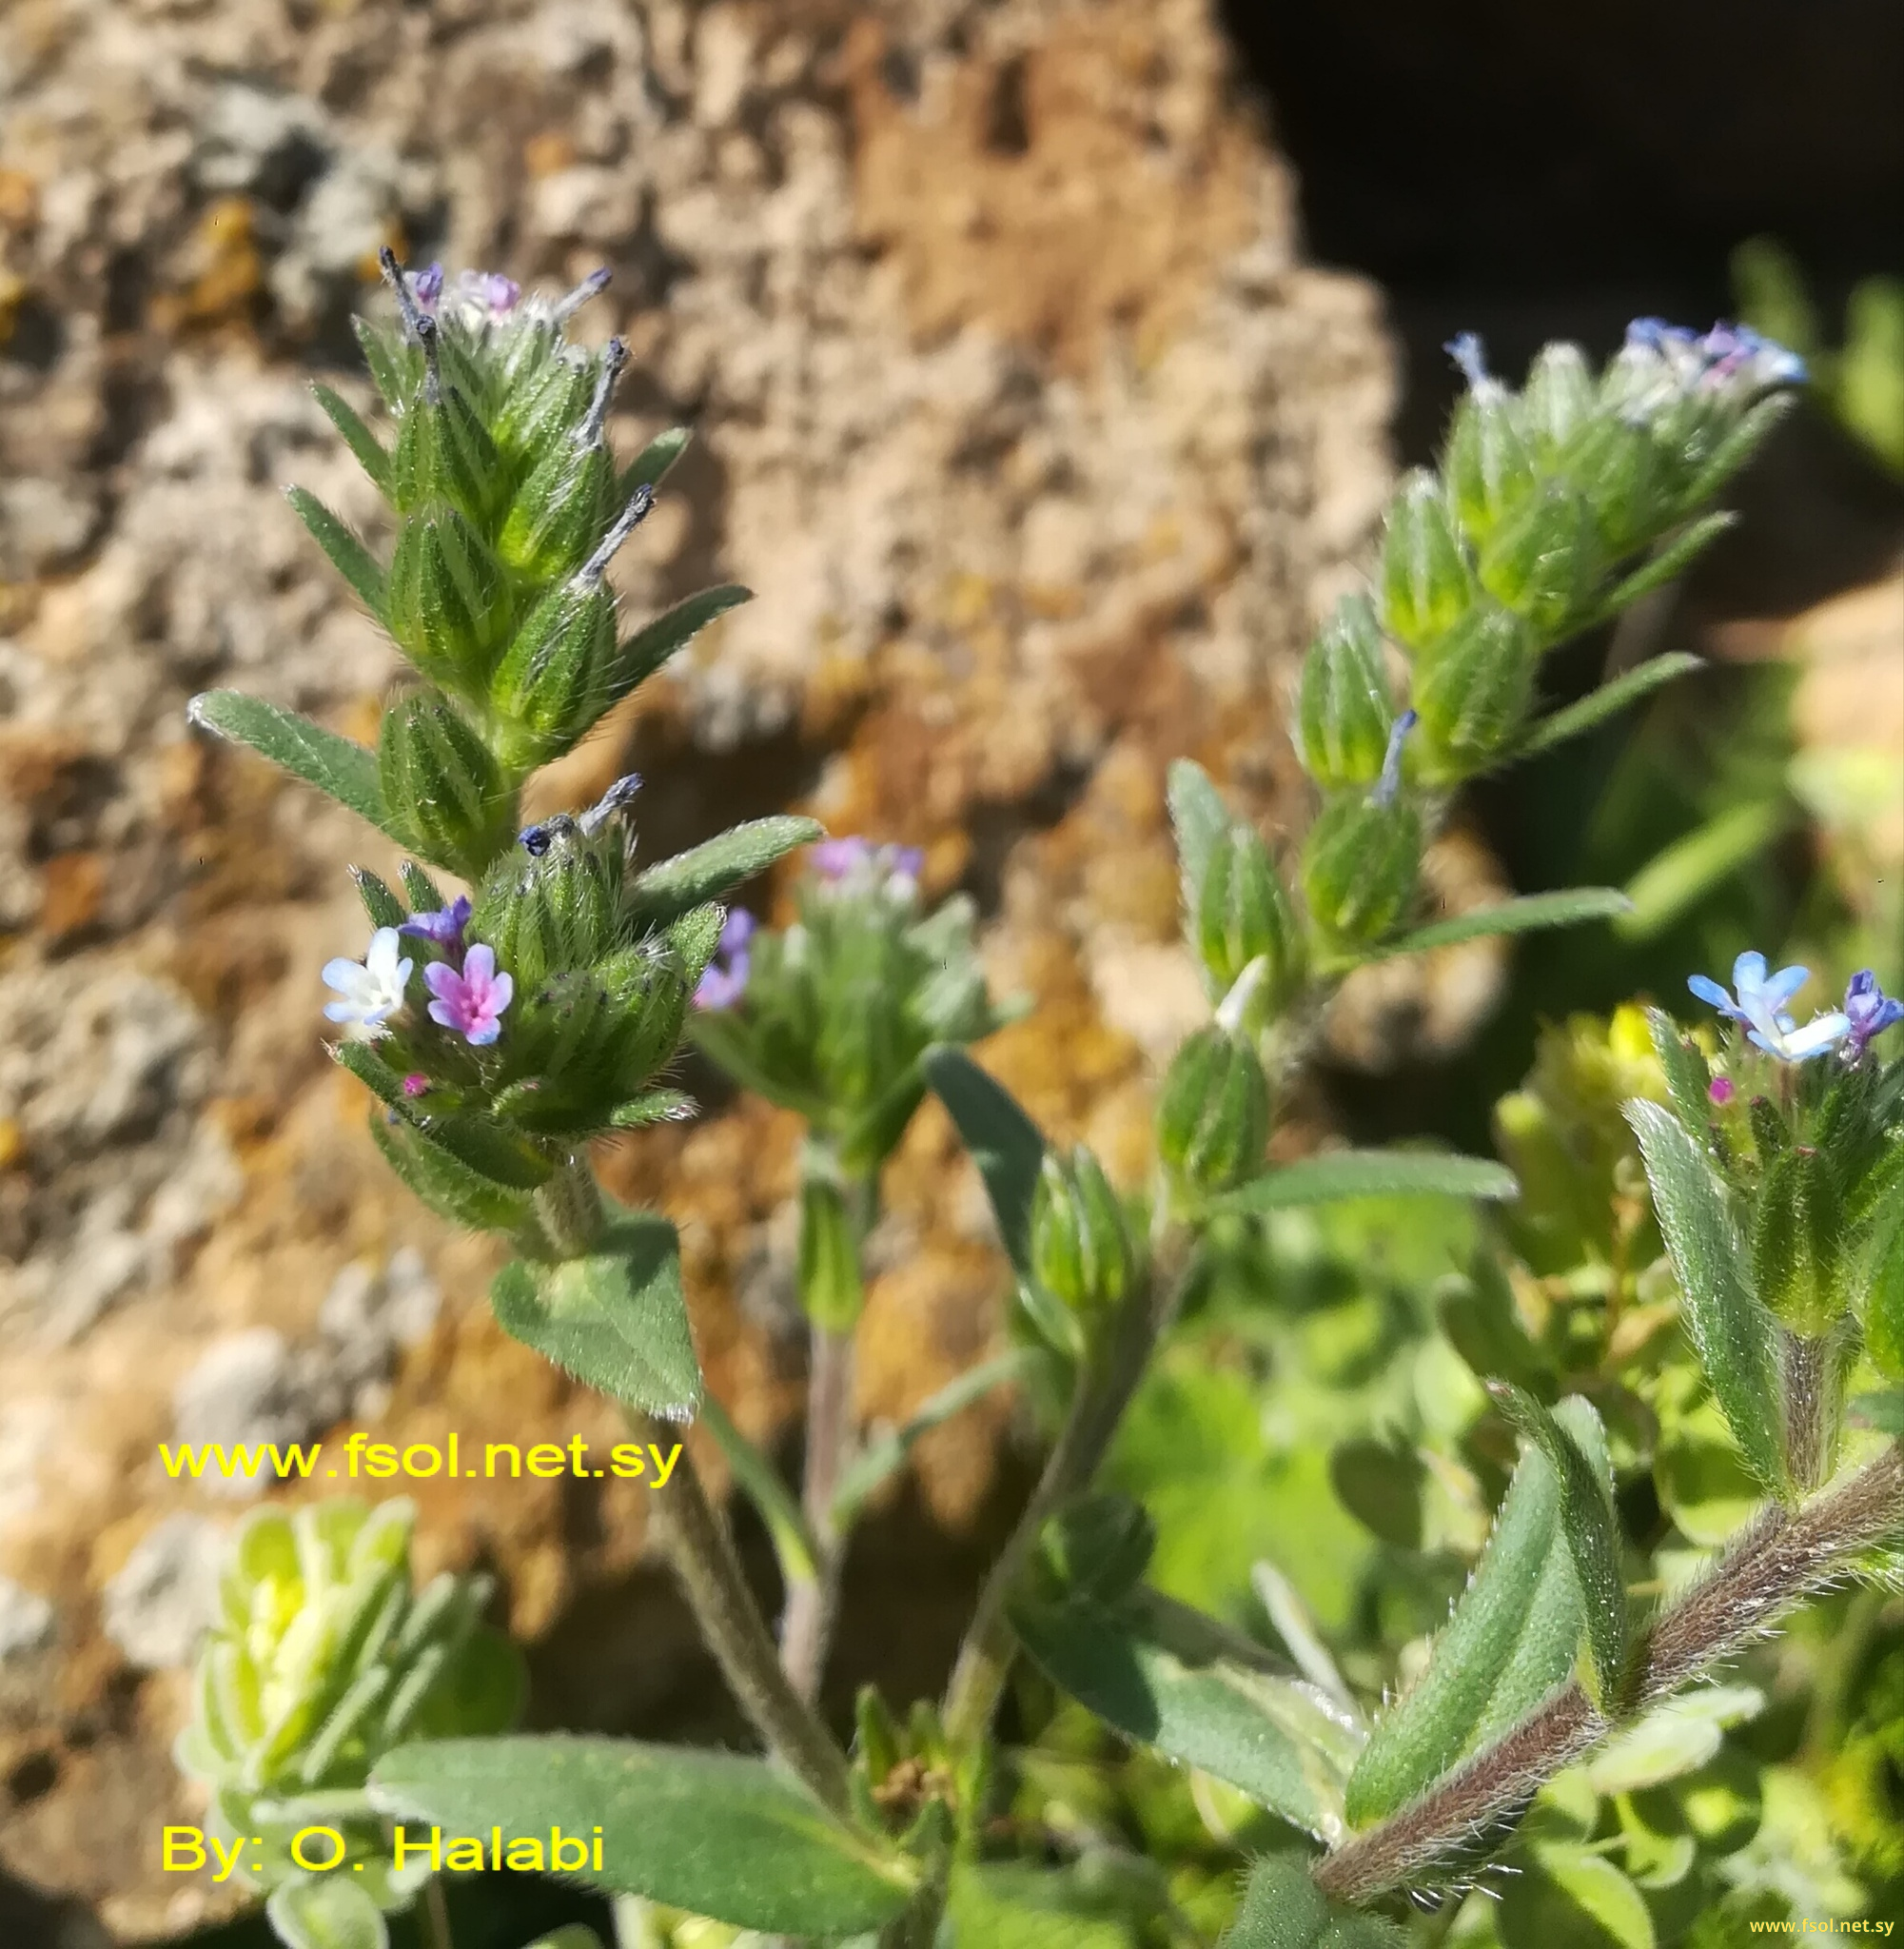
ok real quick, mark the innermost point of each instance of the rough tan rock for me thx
(1043, 449)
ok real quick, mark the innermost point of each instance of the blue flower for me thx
(1662, 363)
(1760, 1005)
(1870, 1012)
(1390, 782)
(442, 927)
(725, 980)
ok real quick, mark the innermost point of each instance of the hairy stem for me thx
(710, 1573)
(1779, 1558)
(813, 1602)
(436, 1914)
(1104, 1390)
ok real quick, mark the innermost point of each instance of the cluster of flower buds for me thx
(830, 1016)
(1527, 533)
(322, 1658)
(509, 508)
(501, 1030)
(1805, 1157)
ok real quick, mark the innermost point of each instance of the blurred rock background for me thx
(1021, 405)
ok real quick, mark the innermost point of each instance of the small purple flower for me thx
(835, 859)
(488, 292)
(415, 1083)
(1760, 1005)
(1870, 1012)
(470, 1002)
(1719, 1092)
(426, 287)
(1663, 362)
(857, 866)
(443, 927)
(725, 980)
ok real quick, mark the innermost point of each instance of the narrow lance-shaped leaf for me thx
(1735, 1336)
(1587, 1521)
(649, 467)
(446, 1184)
(1688, 1076)
(885, 1453)
(1199, 818)
(761, 1482)
(1004, 1143)
(705, 873)
(349, 555)
(1173, 1679)
(380, 903)
(713, 1833)
(1673, 883)
(643, 653)
(1672, 561)
(1513, 1638)
(337, 767)
(1527, 913)
(371, 454)
(1338, 1174)
(1607, 701)
(1284, 1909)
(616, 1319)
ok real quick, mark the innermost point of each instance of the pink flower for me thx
(1720, 1090)
(470, 1002)
(415, 1083)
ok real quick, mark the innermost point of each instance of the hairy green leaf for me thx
(1527, 913)
(1513, 1638)
(1607, 701)
(337, 767)
(1199, 818)
(1587, 1519)
(380, 903)
(1734, 1335)
(325, 1912)
(651, 465)
(616, 1319)
(1175, 1680)
(1004, 1143)
(705, 873)
(641, 655)
(349, 555)
(1284, 1909)
(1337, 1174)
(1574, 1896)
(371, 454)
(1671, 561)
(714, 1833)
(1688, 1076)
(445, 1182)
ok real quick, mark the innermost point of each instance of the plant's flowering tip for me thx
(1466, 349)
(725, 980)
(618, 798)
(487, 292)
(1870, 1012)
(1758, 1000)
(1720, 1092)
(1390, 782)
(442, 927)
(854, 866)
(470, 1001)
(371, 990)
(1663, 363)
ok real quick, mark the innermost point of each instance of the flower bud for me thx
(447, 603)
(1242, 914)
(552, 682)
(1472, 691)
(1213, 1112)
(554, 903)
(1797, 1238)
(1344, 711)
(1557, 401)
(1098, 1545)
(544, 404)
(1489, 470)
(1360, 864)
(441, 785)
(648, 993)
(1546, 561)
(558, 515)
(1080, 1252)
(444, 451)
(1425, 579)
